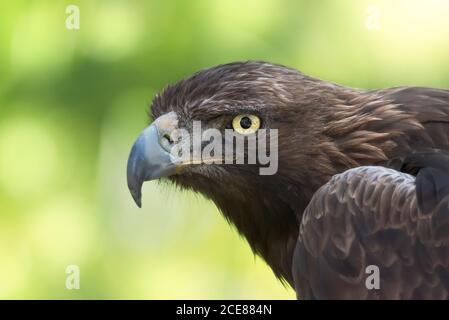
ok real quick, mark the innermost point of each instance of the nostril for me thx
(168, 138)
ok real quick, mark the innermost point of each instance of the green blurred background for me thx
(72, 102)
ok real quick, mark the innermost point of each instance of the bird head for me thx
(298, 131)
(201, 123)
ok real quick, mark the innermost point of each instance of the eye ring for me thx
(246, 123)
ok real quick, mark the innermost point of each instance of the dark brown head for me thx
(246, 98)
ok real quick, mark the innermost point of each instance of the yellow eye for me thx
(246, 123)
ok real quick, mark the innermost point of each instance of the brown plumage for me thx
(324, 130)
(376, 216)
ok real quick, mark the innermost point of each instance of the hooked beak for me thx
(150, 156)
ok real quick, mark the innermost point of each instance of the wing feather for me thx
(370, 216)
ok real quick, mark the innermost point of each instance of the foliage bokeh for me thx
(72, 102)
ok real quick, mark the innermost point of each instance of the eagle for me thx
(361, 188)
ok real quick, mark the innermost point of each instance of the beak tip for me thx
(137, 196)
(134, 177)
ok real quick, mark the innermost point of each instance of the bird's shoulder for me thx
(370, 216)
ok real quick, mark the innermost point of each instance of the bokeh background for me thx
(72, 102)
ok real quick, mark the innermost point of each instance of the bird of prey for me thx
(361, 181)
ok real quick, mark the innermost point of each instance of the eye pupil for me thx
(245, 123)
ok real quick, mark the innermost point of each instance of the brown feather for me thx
(324, 129)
